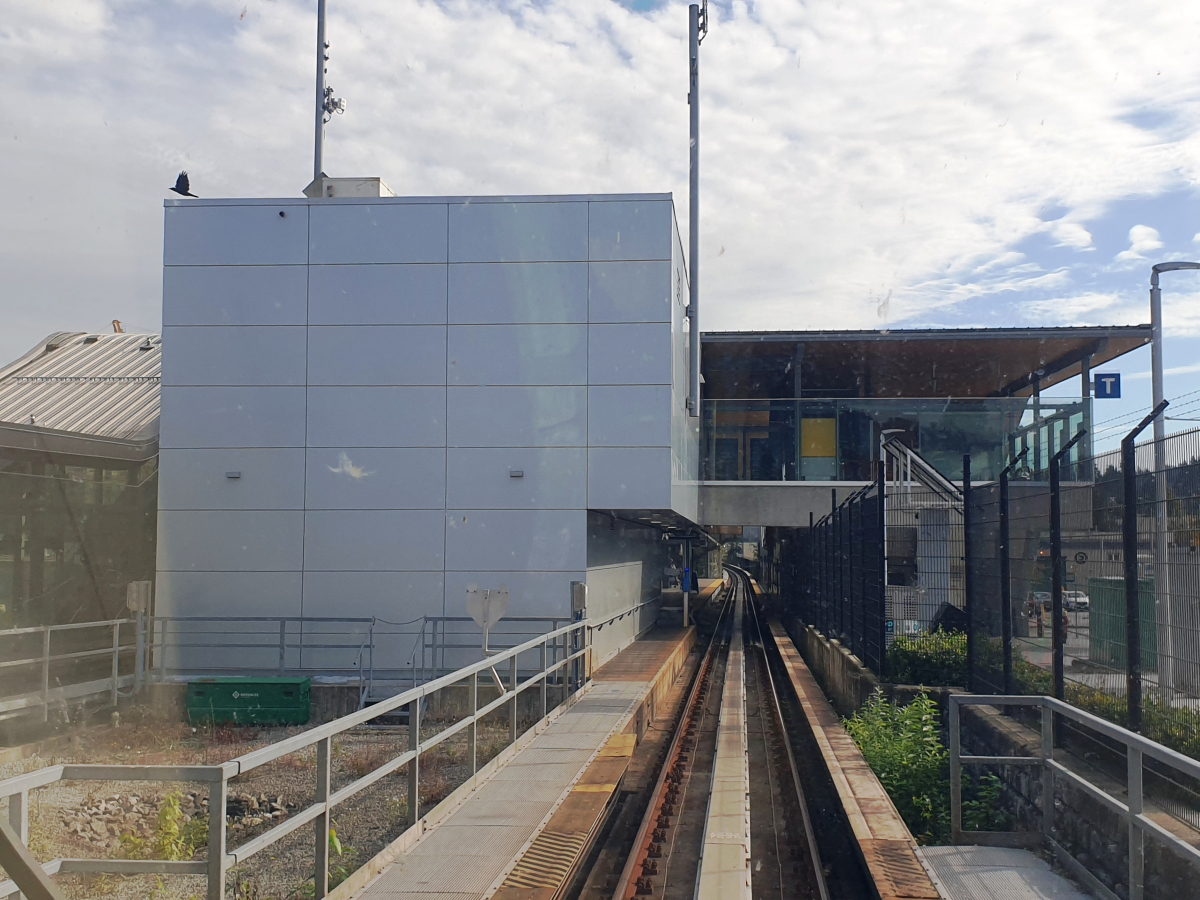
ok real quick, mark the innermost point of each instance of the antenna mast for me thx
(697, 29)
(327, 104)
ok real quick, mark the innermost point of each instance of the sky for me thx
(891, 164)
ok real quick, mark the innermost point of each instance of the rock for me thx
(97, 826)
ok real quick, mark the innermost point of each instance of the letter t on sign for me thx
(1108, 385)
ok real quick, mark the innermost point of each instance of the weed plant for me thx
(903, 747)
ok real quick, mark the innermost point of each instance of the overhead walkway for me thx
(529, 824)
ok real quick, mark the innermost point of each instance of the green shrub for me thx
(903, 747)
(939, 659)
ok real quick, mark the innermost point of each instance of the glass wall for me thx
(73, 534)
(838, 439)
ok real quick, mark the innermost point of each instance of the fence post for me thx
(968, 579)
(1137, 849)
(46, 673)
(473, 728)
(1058, 629)
(955, 773)
(139, 661)
(414, 777)
(1006, 610)
(1129, 552)
(883, 610)
(218, 792)
(322, 822)
(545, 681)
(512, 686)
(810, 618)
(116, 661)
(1047, 771)
(283, 645)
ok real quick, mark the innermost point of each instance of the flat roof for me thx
(958, 362)
(381, 201)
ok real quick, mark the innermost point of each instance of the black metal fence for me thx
(844, 596)
(1049, 571)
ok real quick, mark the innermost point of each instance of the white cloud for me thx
(1142, 239)
(1072, 234)
(850, 153)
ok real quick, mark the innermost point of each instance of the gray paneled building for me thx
(368, 404)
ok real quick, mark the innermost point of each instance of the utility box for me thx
(250, 701)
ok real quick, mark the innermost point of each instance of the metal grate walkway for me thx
(994, 873)
(472, 850)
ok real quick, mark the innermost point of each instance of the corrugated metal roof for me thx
(98, 385)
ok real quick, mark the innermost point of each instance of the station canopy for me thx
(944, 362)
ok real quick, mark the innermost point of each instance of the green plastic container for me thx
(250, 701)
(1106, 637)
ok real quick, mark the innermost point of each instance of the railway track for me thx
(727, 816)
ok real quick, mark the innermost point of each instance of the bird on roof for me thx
(182, 186)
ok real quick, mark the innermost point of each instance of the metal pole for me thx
(321, 823)
(1137, 850)
(512, 686)
(1006, 611)
(956, 835)
(414, 743)
(1058, 630)
(1085, 377)
(1162, 559)
(217, 862)
(473, 728)
(319, 138)
(968, 580)
(1047, 770)
(116, 661)
(883, 610)
(697, 22)
(1129, 535)
(45, 672)
(687, 580)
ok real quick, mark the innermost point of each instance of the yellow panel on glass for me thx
(818, 437)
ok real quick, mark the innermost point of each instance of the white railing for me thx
(1138, 825)
(563, 655)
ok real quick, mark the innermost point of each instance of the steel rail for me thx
(627, 886)
(777, 707)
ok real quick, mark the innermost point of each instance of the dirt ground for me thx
(125, 819)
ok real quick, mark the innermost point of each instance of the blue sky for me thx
(894, 164)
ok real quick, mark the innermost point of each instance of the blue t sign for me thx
(1108, 385)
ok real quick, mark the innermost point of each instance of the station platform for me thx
(523, 831)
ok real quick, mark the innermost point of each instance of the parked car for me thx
(1035, 598)
(1076, 601)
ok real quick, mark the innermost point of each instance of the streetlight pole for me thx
(1162, 557)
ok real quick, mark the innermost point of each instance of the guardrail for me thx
(565, 650)
(1138, 825)
(45, 695)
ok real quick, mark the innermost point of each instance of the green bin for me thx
(1107, 619)
(250, 701)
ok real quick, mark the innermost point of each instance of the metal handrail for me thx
(1136, 749)
(917, 467)
(45, 696)
(569, 646)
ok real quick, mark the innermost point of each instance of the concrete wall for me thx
(785, 504)
(375, 370)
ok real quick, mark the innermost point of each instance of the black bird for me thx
(182, 186)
